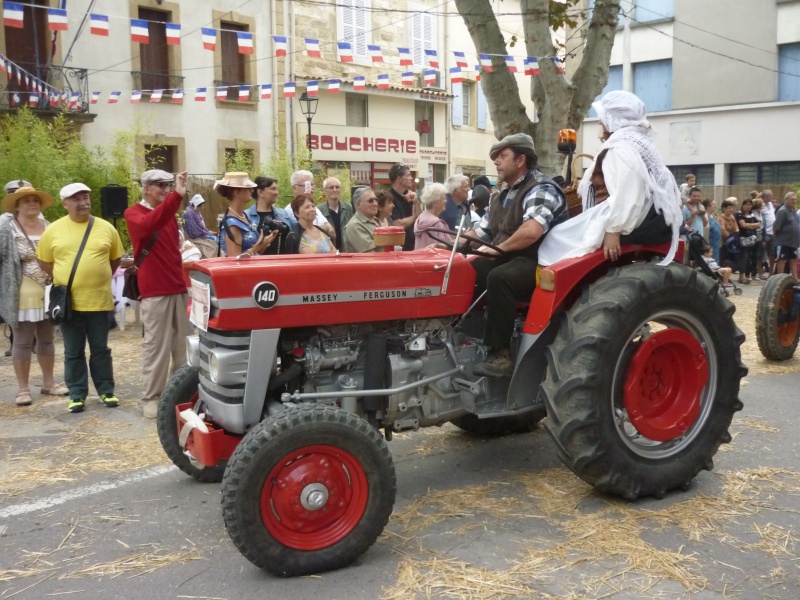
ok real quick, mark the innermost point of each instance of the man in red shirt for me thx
(164, 297)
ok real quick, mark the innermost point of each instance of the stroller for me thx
(697, 246)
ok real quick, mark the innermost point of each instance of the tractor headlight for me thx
(213, 366)
(193, 350)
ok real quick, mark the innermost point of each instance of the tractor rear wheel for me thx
(777, 331)
(643, 379)
(307, 491)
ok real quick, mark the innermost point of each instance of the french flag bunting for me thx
(532, 66)
(177, 97)
(432, 58)
(113, 97)
(288, 89)
(407, 78)
(345, 51)
(98, 24)
(156, 95)
(200, 94)
(266, 91)
(54, 99)
(429, 76)
(383, 81)
(73, 101)
(244, 93)
(57, 19)
(173, 34)
(312, 88)
(359, 83)
(33, 99)
(280, 45)
(510, 64)
(333, 86)
(245, 39)
(13, 15)
(486, 62)
(405, 57)
(559, 65)
(2, 63)
(136, 96)
(461, 60)
(375, 53)
(95, 97)
(15, 99)
(139, 31)
(312, 48)
(209, 38)
(455, 75)
(222, 93)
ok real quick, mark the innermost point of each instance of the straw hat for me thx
(10, 201)
(235, 180)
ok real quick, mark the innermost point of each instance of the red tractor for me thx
(306, 365)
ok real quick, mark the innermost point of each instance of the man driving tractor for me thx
(518, 220)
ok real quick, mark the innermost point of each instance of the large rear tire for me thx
(643, 379)
(307, 491)
(776, 331)
(182, 388)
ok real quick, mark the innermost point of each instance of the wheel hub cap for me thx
(314, 496)
(663, 384)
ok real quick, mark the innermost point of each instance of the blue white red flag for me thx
(177, 97)
(429, 76)
(312, 88)
(95, 97)
(98, 24)
(486, 62)
(359, 83)
(333, 86)
(136, 96)
(455, 75)
(375, 53)
(405, 57)
(140, 33)
(245, 39)
(510, 64)
(461, 60)
(57, 19)
(222, 93)
(266, 91)
(383, 81)
(432, 57)
(312, 48)
(156, 95)
(244, 93)
(289, 89)
(209, 38)
(200, 94)
(113, 97)
(532, 66)
(407, 78)
(345, 51)
(13, 15)
(280, 44)
(173, 34)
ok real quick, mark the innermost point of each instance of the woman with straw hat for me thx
(22, 285)
(236, 232)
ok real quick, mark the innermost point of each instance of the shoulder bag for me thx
(59, 308)
(131, 288)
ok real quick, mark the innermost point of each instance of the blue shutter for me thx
(654, 10)
(614, 84)
(481, 108)
(457, 106)
(652, 82)
(788, 72)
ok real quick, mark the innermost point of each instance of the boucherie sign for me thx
(331, 142)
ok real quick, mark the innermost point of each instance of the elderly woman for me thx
(307, 238)
(22, 285)
(434, 200)
(236, 232)
(642, 203)
(196, 230)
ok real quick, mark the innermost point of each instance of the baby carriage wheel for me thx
(737, 291)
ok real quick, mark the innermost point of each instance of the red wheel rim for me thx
(787, 330)
(314, 497)
(663, 384)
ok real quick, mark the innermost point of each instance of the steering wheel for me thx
(465, 249)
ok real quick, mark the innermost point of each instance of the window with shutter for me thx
(788, 72)
(458, 106)
(233, 69)
(654, 10)
(652, 82)
(153, 57)
(355, 23)
(466, 103)
(422, 32)
(482, 108)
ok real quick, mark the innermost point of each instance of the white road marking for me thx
(82, 492)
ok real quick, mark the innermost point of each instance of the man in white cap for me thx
(90, 292)
(153, 222)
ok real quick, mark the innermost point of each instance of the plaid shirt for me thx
(544, 203)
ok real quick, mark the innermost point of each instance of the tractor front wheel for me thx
(777, 328)
(643, 380)
(307, 491)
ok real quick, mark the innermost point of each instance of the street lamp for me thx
(308, 104)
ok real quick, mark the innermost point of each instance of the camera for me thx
(267, 225)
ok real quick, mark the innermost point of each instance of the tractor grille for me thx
(233, 340)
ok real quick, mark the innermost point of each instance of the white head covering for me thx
(197, 200)
(621, 109)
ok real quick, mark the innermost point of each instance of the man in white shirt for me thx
(303, 183)
(768, 215)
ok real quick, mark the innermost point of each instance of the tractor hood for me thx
(271, 292)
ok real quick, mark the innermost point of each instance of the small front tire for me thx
(777, 333)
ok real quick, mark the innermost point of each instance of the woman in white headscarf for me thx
(196, 230)
(629, 196)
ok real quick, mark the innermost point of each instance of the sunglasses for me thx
(164, 185)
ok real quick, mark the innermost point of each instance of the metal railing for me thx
(148, 81)
(71, 84)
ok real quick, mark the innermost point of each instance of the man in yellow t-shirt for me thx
(90, 292)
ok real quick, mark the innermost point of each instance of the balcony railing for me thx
(71, 86)
(148, 81)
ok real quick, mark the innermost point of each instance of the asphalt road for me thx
(90, 509)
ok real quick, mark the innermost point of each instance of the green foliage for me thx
(242, 159)
(280, 165)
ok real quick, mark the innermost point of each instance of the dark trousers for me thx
(507, 282)
(746, 264)
(91, 327)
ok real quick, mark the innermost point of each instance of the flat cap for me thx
(68, 191)
(14, 185)
(516, 140)
(156, 176)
